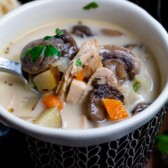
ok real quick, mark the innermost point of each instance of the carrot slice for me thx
(115, 109)
(52, 101)
(79, 75)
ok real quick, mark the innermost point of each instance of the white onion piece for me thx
(146, 82)
(62, 64)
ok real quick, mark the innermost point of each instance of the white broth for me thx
(20, 101)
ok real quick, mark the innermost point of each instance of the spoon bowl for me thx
(15, 68)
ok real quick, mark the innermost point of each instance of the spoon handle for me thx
(12, 67)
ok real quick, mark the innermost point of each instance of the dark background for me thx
(13, 147)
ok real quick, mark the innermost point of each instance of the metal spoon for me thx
(14, 68)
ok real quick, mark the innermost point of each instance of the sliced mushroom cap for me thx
(81, 31)
(117, 66)
(125, 61)
(140, 107)
(64, 43)
(96, 109)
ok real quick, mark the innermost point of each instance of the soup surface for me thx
(141, 88)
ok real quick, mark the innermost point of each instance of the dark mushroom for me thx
(96, 109)
(140, 107)
(82, 31)
(111, 32)
(120, 60)
(64, 43)
(117, 66)
(132, 46)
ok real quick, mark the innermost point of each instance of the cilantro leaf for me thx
(58, 32)
(79, 62)
(91, 5)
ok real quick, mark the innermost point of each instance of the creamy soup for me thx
(140, 86)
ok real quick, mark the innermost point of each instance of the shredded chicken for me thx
(100, 72)
(75, 92)
(88, 55)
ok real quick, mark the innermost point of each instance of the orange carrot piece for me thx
(52, 101)
(79, 75)
(115, 109)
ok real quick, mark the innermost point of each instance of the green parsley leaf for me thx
(79, 62)
(91, 5)
(52, 51)
(26, 53)
(58, 32)
(37, 51)
(136, 86)
(48, 37)
(162, 143)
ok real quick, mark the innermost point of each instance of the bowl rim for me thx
(92, 133)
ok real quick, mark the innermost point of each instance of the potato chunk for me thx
(50, 117)
(45, 81)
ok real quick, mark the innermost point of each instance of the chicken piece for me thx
(90, 66)
(87, 52)
(101, 73)
(75, 92)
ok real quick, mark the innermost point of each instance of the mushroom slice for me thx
(88, 56)
(140, 107)
(96, 109)
(132, 46)
(82, 31)
(127, 62)
(111, 32)
(42, 49)
(117, 67)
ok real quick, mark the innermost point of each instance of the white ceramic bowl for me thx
(124, 13)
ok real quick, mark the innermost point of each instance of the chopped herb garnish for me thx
(52, 51)
(136, 86)
(58, 32)
(79, 62)
(91, 5)
(37, 51)
(48, 37)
